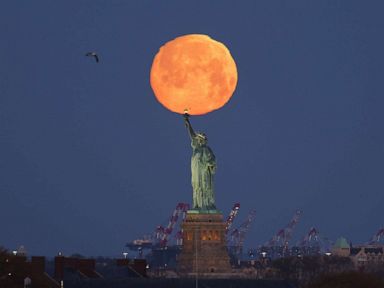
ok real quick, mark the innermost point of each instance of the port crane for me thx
(283, 236)
(236, 237)
(231, 217)
(310, 237)
(379, 235)
(161, 235)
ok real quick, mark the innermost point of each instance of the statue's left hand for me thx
(186, 119)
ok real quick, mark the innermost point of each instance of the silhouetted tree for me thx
(306, 268)
(287, 267)
(77, 255)
(4, 255)
(350, 279)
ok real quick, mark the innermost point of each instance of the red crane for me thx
(237, 236)
(312, 235)
(314, 243)
(377, 237)
(282, 237)
(161, 234)
(231, 217)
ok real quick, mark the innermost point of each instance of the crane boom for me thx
(231, 217)
(160, 237)
(312, 235)
(237, 236)
(163, 233)
(284, 235)
(376, 238)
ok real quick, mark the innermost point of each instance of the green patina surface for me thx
(341, 243)
(203, 167)
(202, 211)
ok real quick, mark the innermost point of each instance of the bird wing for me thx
(96, 57)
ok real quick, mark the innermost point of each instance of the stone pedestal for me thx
(204, 248)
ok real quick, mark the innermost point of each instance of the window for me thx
(216, 235)
(209, 235)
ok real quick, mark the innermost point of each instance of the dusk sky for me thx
(90, 160)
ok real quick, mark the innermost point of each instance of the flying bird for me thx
(93, 54)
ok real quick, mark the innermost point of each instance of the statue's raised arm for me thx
(191, 132)
(203, 166)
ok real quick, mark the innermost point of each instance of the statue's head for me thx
(201, 138)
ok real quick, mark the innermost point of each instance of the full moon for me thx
(193, 73)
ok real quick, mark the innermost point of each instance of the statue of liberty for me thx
(203, 166)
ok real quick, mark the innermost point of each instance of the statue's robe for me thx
(203, 165)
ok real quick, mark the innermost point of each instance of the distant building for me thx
(76, 269)
(19, 272)
(367, 257)
(135, 267)
(341, 248)
(69, 268)
(363, 257)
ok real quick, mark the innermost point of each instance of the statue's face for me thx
(202, 142)
(202, 139)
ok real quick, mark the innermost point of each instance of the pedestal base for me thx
(204, 248)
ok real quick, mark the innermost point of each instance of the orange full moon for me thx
(194, 73)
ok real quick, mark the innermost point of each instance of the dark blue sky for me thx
(90, 160)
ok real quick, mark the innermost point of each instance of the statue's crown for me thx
(201, 135)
